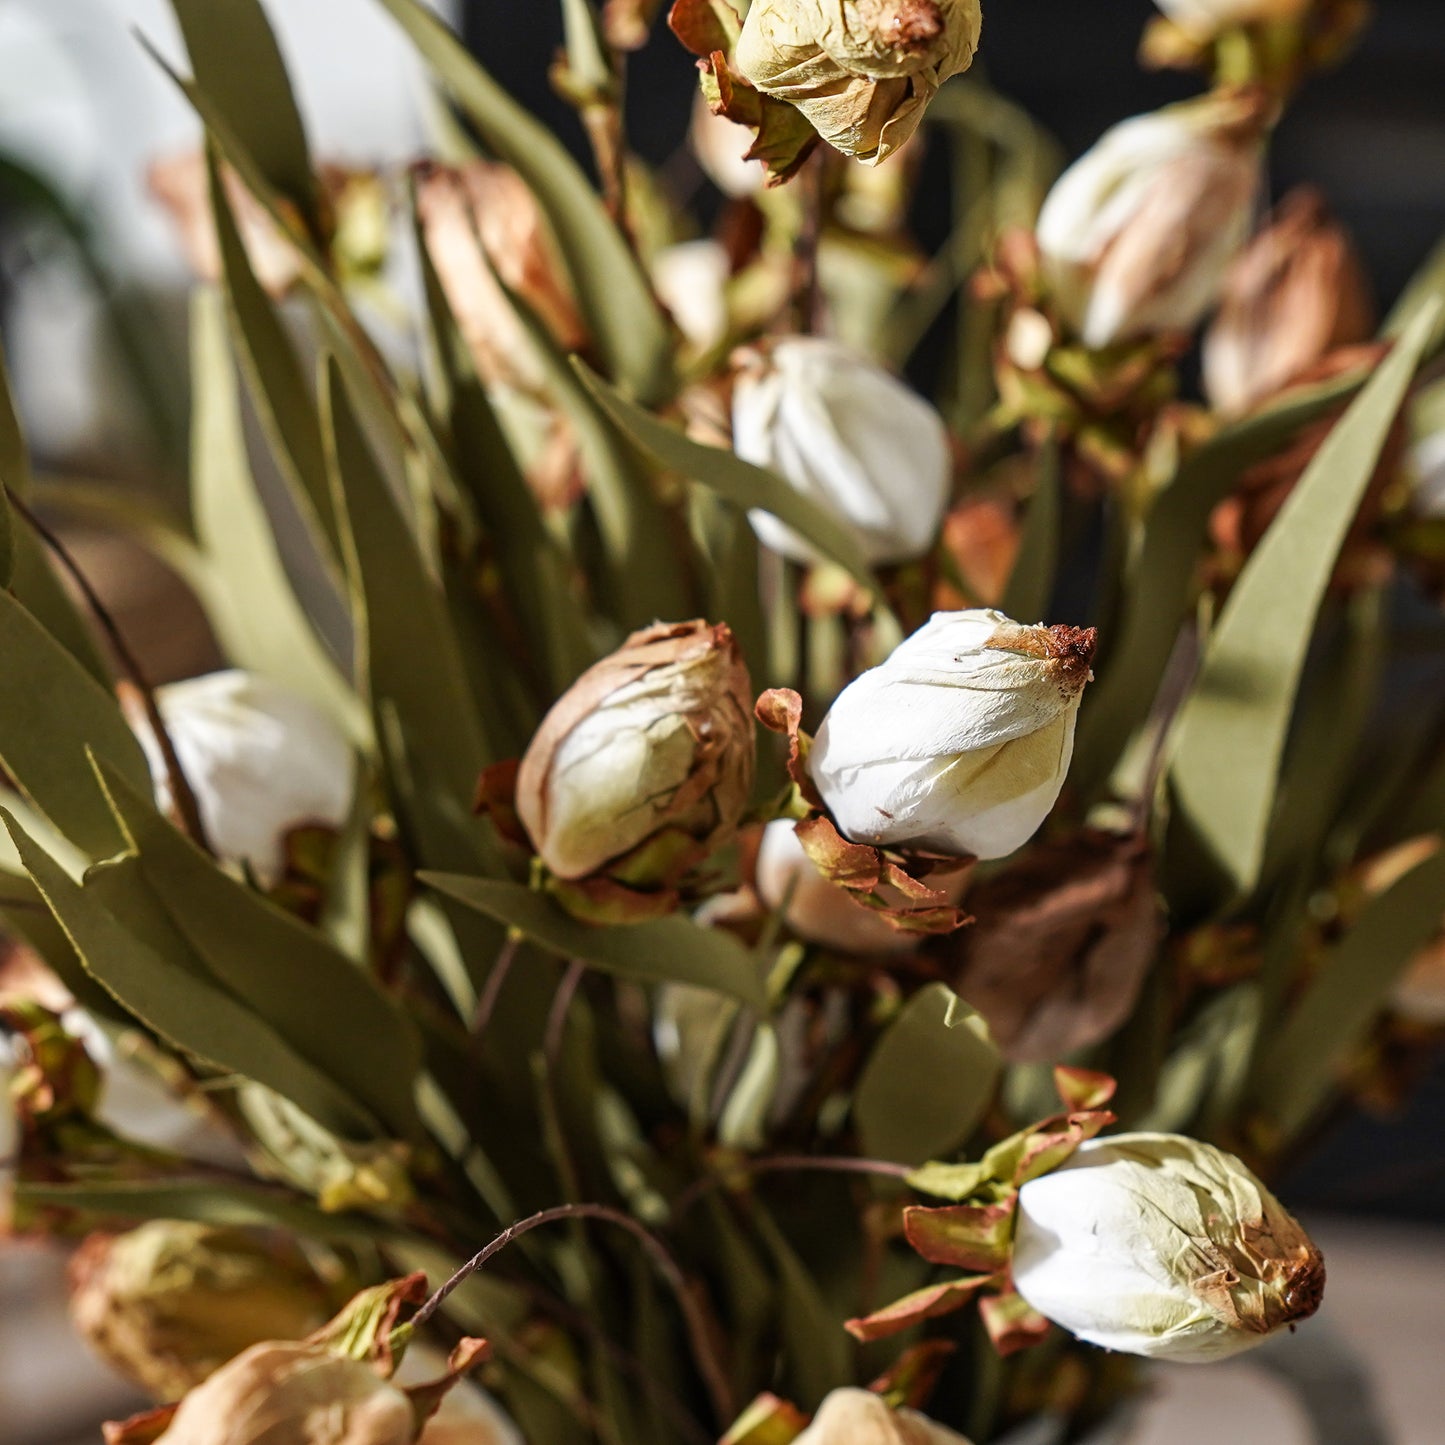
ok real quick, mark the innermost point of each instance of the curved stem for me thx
(701, 1334)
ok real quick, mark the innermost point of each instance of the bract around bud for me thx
(960, 742)
(261, 760)
(849, 436)
(863, 71)
(1136, 235)
(1158, 1245)
(645, 764)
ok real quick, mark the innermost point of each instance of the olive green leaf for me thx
(51, 712)
(929, 1081)
(725, 473)
(238, 64)
(287, 974)
(1226, 750)
(632, 335)
(664, 950)
(190, 1014)
(1344, 997)
(1031, 583)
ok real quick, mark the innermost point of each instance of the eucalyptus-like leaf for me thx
(928, 1082)
(1226, 750)
(664, 950)
(623, 315)
(51, 711)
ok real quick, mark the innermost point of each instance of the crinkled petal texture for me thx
(851, 437)
(1137, 234)
(861, 71)
(859, 1417)
(955, 744)
(260, 759)
(1158, 1245)
(293, 1394)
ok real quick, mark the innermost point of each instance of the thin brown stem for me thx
(556, 1030)
(702, 1334)
(785, 1164)
(492, 989)
(183, 799)
(813, 183)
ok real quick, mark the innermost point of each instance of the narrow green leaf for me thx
(1161, 584)
(51, 712)
(275, 375)
(1345, 996)
(725, 473)
(248, 596)
(327, 1009)
(1426, 287)
(407, 655)
(192, 1016)
(929, 1081)
(239, 66)
(631, 332)
(664, 950)
(1231, 732)
(1031, 583)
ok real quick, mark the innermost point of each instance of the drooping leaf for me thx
(1344, 997)
(664, 950)
(195, 1017)
(929, 1081)
(51, 712)
(632, 335)
(1231, 732)
(238, 64)
(248, 596)
(285, 972)
(739, 482)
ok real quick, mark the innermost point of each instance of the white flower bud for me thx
(261, 760)
(1158, 1245)
(959, 743)
(1136, 236)
(721, 147)
(1206, 18)
(849, 436)
(691, 281)
(859, 1417)
(1427, 460)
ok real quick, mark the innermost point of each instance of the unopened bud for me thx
(1158, 1245)
(859, 1417)
(861, 71)
(960, 742)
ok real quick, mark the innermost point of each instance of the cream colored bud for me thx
(859, 1417)
(721, 147)
(1154, 1244)
(467, 1414)
(691, 281)
(169, 1303)
(1136, 236)
(1427, 460)
(861, 71)
(653, 744)
(849, 436)
(293, 1394)
(1205, 19)
(1296, 292)
(261, 760)
(960, 742)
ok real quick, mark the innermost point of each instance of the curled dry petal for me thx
(861, 71)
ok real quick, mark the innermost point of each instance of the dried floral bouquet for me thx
(661, 946)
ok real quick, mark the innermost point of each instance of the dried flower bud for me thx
(1158, 1245)
(846, 434)
(1060, 946)
(817, 909)
(1296, 292)
(691, 281)
(1427, 461)
(959, 743)
(293, 1394)
(481, 224)
(859, 1417)
(467, 1414)
(169, 1303)
(261, 760)
(861, 71)
(646, 762)
(1204, 19)
(1136, 235)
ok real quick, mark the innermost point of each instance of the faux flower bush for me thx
(701, 949)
